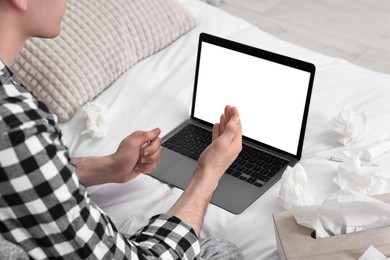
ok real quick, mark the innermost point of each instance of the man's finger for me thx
(215, 131)
(152, 147)
(232, 128)
(222, 124)
(143, 137)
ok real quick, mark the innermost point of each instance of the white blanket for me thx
(157, 93)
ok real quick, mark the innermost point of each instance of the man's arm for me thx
(48, 213)
(138, 153)
(212, 164)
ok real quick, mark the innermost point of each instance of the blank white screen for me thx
(270, 97)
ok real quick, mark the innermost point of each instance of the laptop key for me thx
(243, 178)
(261, 177)
(257, 168)
(251, 180)
(236, 173)
(258, 184)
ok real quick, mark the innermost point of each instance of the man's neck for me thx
(8, 52)
(12, 41)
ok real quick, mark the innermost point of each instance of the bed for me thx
(160, 96)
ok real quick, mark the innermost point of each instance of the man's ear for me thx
(20, 4)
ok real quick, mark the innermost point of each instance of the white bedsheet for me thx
(157, 93)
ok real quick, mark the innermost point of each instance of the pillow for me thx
(100, 40)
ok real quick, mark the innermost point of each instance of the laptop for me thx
(272, 94)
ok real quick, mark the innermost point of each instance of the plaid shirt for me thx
(47, 211)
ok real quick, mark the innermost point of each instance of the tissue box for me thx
(298, 242)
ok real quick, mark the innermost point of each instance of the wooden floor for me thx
(355, 30)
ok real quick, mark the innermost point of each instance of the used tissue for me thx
(351, 126)
(343, 212)
(96, 120)
(351, 176)
(294, 189)
(376, 150)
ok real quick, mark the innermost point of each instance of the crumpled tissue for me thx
(351, 176)
(376, 150)
(351, 126)
(373, 254)
(294, 189)
(343, 212)
(96, 120)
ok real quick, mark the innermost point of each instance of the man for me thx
(44, 205)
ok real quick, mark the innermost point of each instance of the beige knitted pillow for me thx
(100, 40)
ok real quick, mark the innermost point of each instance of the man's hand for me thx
(224, 149)
(138, 153)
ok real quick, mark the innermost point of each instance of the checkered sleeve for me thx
(47, 211)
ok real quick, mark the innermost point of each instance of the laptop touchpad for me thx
(180, 174)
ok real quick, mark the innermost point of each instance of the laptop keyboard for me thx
(252, 165)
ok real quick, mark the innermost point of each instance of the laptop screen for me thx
(270, 96)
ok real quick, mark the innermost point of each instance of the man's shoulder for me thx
(19, 107)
